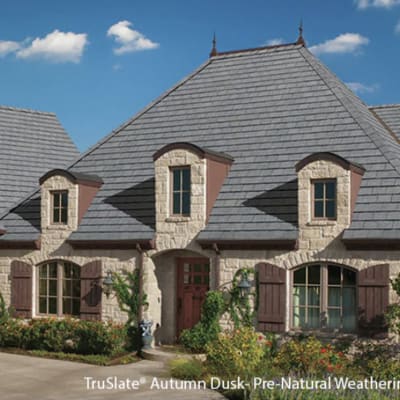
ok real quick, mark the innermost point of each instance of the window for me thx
(324, 297)
(59, 289)
(324, 199)
(181, 191)
(60, 207)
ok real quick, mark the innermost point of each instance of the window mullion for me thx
(324, 290)
(181, 191)
(60, 277)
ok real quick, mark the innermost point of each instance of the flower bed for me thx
(247, 354)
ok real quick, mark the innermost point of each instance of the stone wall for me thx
(335, 252)
(179, 231)
(316, 234)
(55, 247)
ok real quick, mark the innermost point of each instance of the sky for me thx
(97, 63)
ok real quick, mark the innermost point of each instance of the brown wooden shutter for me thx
(271, 298)
(373, 299)
(21, 289)
(91, 277)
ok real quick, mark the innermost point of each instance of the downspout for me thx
(140, 266)
(217, 264)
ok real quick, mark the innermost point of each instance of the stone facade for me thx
(178, 232)
(317, 234)
(231, 261)
(319, 241)
(54, 247)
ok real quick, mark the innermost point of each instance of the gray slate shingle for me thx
(268, 109)
(31, 142)
(390, 114)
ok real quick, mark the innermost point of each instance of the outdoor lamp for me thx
(244, 286)
(108, 284)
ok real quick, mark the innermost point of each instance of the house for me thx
(261, 158)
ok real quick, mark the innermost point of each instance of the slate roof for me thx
(31, 142)
(390, 115)
(268, 108)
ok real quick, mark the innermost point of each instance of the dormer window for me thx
(181, 190)
(324, 199)
(60, 207)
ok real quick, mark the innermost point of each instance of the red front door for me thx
(193, 282)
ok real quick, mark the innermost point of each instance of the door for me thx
(193, 282)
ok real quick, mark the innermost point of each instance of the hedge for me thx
(64, 335)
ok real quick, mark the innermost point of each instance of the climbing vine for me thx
(242, 309)
(126, 288)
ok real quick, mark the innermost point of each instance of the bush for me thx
(64, 335)
(186, 369)
(207, 329)
(309, 357)
(100, 338)
(4, 313)
(234, 354)
(378, 360)
(13, 333)
(393, 314)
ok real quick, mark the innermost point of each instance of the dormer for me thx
(65, 197)
(328, 186)
(188, 180)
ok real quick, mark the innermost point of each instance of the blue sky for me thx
(96, 63)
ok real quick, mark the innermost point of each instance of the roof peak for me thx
(25, 110)
(255, 49)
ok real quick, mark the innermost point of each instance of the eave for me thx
(112, 244)
(20, 244)
(372, 244)
(276, 244)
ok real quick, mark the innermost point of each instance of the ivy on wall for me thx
(242, 310)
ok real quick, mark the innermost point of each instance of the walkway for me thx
(31, 378)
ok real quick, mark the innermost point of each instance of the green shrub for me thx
(50, 334)
(393, 314)
(100, 338)
(309, 357)
(237, 353)
(64, 335)
(4, 314)
(186, 369)
(378, 360)
(207, 329)
(13, 333)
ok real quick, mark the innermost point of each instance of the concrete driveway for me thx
(31, 378)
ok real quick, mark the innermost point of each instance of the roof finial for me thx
(300, 39)
(214, 51)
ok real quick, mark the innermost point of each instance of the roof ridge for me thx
(348, 106)
(251, 49)
(26, 110)
(385, 106)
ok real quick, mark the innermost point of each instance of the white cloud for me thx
(56, 47)
(274, 42)
(7, 47)
(361, 88)
(344, 43)
(128, 39)
(363, 4)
